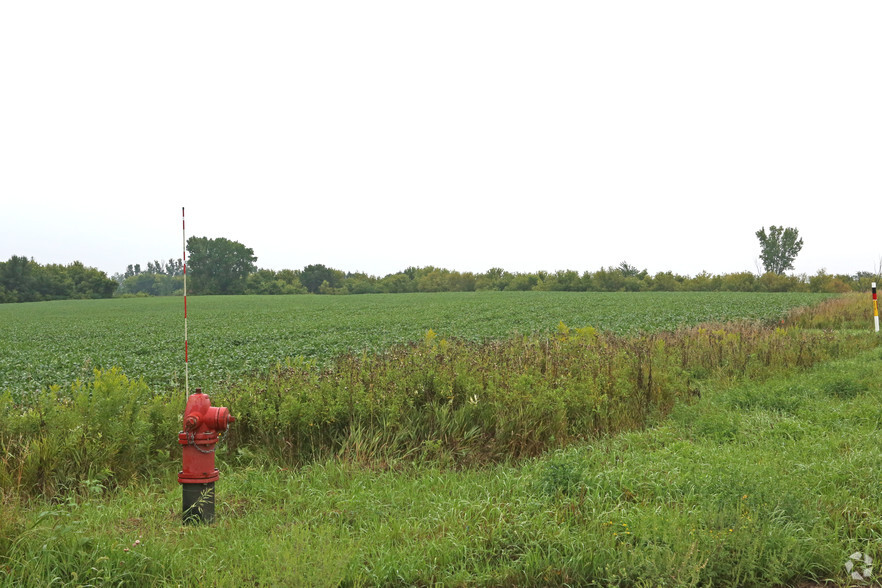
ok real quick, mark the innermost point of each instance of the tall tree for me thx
(313, 276)
(174, 267)
(218, 266)
(779, 247)
(17, 277)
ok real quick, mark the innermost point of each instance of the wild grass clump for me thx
(462, 403)
(90, 437)
(849, 311)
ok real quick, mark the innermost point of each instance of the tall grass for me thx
(94, 435)
(850, 311)
(465, 403)
(752, 485)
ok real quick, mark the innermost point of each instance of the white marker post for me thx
(186, 359)
(875, 308)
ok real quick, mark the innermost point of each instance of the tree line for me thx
(24, 280)
(319, 279)
(222, 266)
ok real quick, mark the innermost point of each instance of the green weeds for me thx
(720, 494)
(461, 403)
(86, 439)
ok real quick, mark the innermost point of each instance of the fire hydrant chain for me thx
(191, 440)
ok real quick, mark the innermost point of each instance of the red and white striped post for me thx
(875, 308)
(186, 358)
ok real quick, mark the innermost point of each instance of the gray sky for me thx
(372, 136)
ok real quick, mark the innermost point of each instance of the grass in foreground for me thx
(752, 485)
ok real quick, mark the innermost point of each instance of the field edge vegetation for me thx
(25, 280)
(765, 479)
(455, 403)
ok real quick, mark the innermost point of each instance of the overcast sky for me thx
(373, 135)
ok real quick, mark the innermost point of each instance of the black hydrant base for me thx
(198, 503)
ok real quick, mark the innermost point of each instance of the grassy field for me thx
(58, 342)
(769, 484)
(721, 455)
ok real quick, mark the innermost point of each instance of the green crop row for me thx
(57, 343)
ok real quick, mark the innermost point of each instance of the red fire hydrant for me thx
(203, 424)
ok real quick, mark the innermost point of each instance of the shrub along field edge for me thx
(460, 403)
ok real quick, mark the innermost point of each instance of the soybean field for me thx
(55, 343)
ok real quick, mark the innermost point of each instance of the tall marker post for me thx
(875, 308)
(186, 359)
